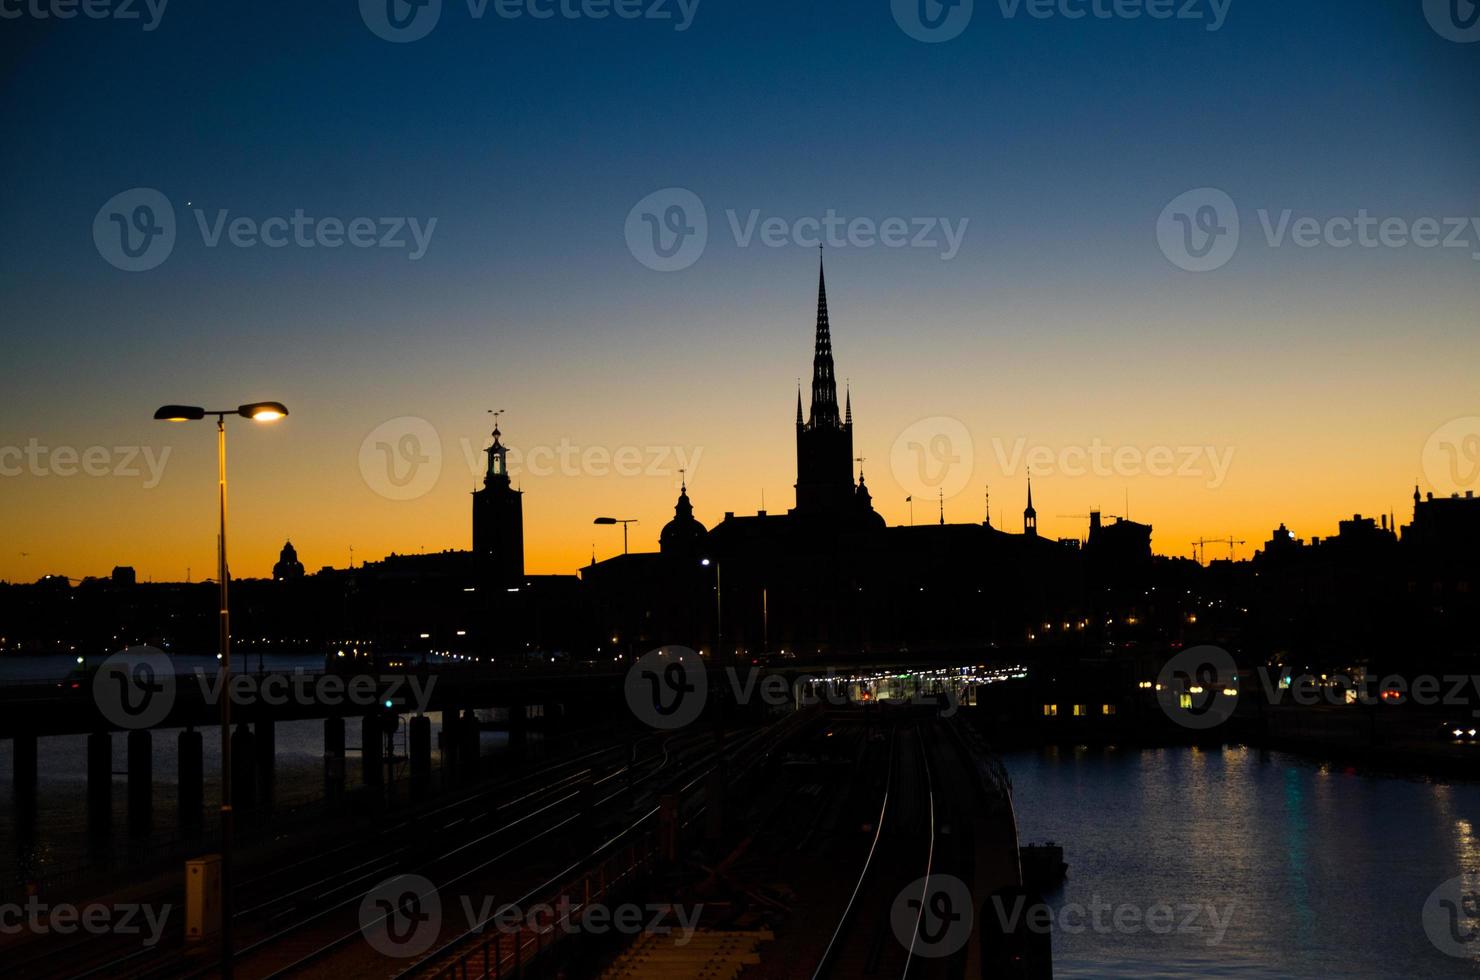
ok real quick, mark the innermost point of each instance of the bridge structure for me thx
(388, 708)
(798, 820)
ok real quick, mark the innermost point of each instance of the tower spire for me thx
(824, 384)
(825, 441)
(1030, 516)
(498, 458)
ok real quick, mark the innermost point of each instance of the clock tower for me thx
(498, 519)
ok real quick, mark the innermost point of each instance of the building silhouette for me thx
(828, 576)
(824, 488)
(1030, 515)
(288, 567)
(498, 520)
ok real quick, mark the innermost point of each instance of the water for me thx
(1316, 870)
(17, 668)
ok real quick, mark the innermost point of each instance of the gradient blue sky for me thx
(1059, 322)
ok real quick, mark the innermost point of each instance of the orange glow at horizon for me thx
(79, 525)
(1258, 424)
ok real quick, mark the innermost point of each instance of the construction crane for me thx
(1200, 547)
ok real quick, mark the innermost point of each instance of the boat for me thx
(1043, 866)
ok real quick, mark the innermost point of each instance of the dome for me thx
(683, 533)
(288, 566)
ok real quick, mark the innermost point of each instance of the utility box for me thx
(202, 897)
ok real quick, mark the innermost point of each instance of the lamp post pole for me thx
(719, 606)
(227, 816)
(624, 521)
(257, 412)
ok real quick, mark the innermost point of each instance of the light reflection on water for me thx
(1326, 869)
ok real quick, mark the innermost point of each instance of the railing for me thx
(509, 952)
(989, 768)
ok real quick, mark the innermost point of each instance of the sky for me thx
(1067, 294)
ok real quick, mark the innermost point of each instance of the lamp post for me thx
(719, 607)
(257, 412)
(624, 521)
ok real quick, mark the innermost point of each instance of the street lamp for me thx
(719, 608)
(257, 412)
(624, 521)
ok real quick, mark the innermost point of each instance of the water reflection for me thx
(1326, 870)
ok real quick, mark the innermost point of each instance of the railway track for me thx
(274, 903)
(917, 839)
(622, 858)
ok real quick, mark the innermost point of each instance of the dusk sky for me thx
(1314, 375)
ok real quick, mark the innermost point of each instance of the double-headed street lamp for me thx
(624, 521)
(257, 412)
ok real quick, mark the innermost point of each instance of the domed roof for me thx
(683, 532)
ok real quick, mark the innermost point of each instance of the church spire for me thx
(824, 442)
(1030, 516)
(824, 385)
(848, 400)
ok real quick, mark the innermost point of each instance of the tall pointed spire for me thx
(824, 385)
(848, 400)
(825, 442)
(799, 403)
(1030, 516)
